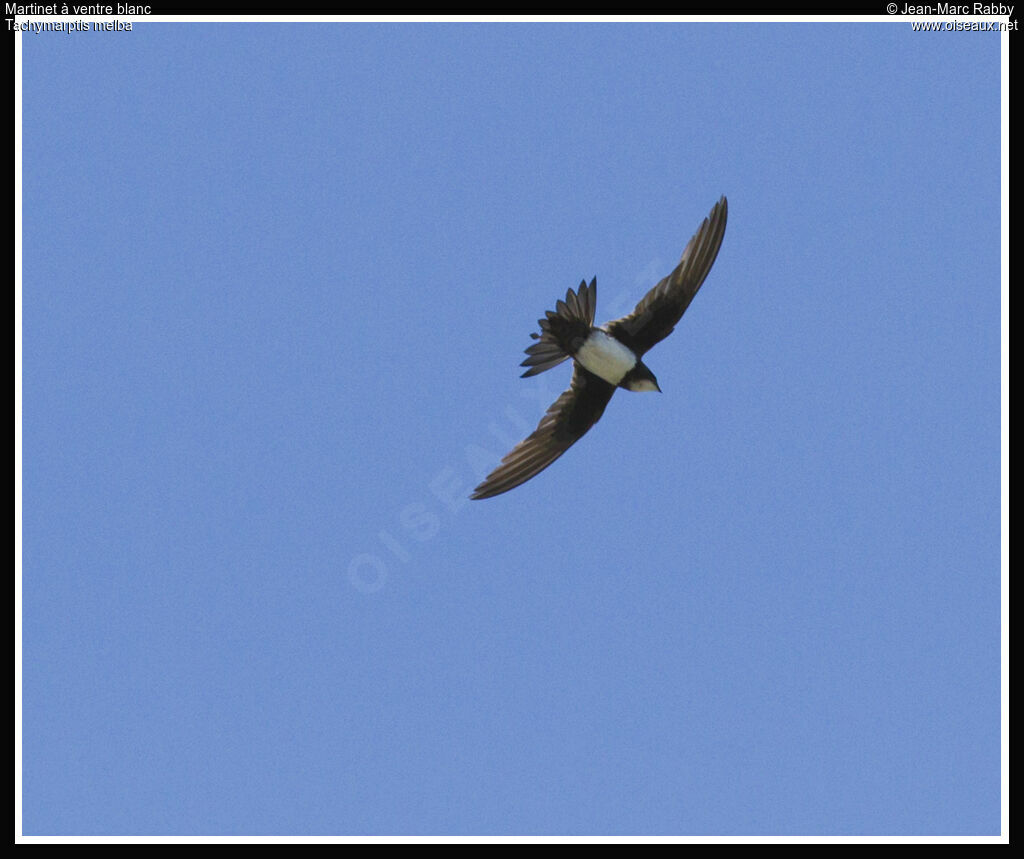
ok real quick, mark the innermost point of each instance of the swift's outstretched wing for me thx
(660, 310)
(565, 423)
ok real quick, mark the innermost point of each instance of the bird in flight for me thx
(604, 358)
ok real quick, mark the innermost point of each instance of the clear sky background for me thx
(277, 281)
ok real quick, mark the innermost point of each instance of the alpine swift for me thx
(604, 358)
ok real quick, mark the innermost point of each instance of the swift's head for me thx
(640, 378)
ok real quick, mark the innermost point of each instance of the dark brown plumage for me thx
(568, 332)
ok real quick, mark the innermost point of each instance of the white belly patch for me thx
(605, 356)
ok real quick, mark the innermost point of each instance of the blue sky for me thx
(277, 281)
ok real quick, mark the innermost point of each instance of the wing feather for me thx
(565, 423)
(658, 312)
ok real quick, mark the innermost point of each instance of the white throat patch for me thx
(605, 356)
